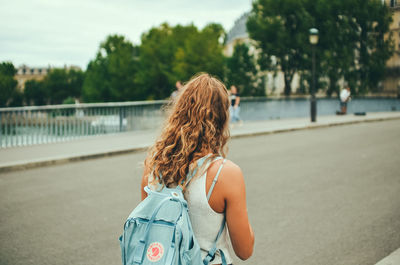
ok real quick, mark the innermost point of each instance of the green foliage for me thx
(280, 29)
(168, 54)
(156, 57)
(62, 83)
(351, 40)
(242, 72)
(9, 95)
(110, 76)
(352, 44)
(69, 100)
(58, 85)
(201, 52)
(75, 80)
(370, 21)
(335, 49)
(35, 93)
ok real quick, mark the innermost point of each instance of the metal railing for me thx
(56, 123)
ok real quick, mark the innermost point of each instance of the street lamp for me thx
(313, 40)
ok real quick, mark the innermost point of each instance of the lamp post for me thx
(313, 40)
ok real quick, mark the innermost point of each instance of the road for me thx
(321, 196)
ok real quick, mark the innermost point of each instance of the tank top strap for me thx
(215, 180)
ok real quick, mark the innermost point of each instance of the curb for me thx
(317, 126)
(22, 165)
(64, 160)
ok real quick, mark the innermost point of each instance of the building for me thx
(391, 84)
(25, 73)
(238, 34)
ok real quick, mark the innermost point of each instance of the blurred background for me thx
(55, 52)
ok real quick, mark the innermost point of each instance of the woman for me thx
(197, 130)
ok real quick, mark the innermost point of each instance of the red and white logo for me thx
(155, 252)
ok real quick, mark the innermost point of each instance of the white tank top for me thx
(205, 221)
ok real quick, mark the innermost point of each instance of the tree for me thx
(35, 93)
(59, 84)
(56, 85)
(370, 21)
(110, 76)
(242, 72)
(201, 52)
(8, 85)
(168, 54)
(75, 81)
(351, 44)
(95, 87)
(280, 29)
(156, 58)
(335, 49)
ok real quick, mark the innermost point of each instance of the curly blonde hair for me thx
(197, 125)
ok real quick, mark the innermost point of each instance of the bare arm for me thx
(230, 193)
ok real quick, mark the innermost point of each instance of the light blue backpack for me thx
(158, 231)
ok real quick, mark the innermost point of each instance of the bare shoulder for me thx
(230, 187)
(230, 172)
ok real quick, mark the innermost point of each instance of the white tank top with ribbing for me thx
(205, 221)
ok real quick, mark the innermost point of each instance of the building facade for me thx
(237, 35)
(25, 73)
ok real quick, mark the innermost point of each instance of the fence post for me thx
(121, 118)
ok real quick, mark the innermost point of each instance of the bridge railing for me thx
(55, 123)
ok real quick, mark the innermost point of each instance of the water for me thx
(267, 109)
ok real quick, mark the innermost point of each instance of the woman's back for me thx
(206, 222)
(196, 127)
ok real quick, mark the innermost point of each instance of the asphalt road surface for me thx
(321, 196)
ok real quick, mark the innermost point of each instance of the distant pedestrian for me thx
(344, 98)
(234, 109)
(178, 86)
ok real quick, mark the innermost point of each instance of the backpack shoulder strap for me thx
(211, 253)
(213, 250)
(215, 180)
(192, 174)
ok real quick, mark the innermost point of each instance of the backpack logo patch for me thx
(155, 252)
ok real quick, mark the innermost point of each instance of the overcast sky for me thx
(58, 32)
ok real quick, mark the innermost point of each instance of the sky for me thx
(40, 33)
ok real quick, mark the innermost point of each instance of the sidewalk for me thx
(392, 259)
(17, 158)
